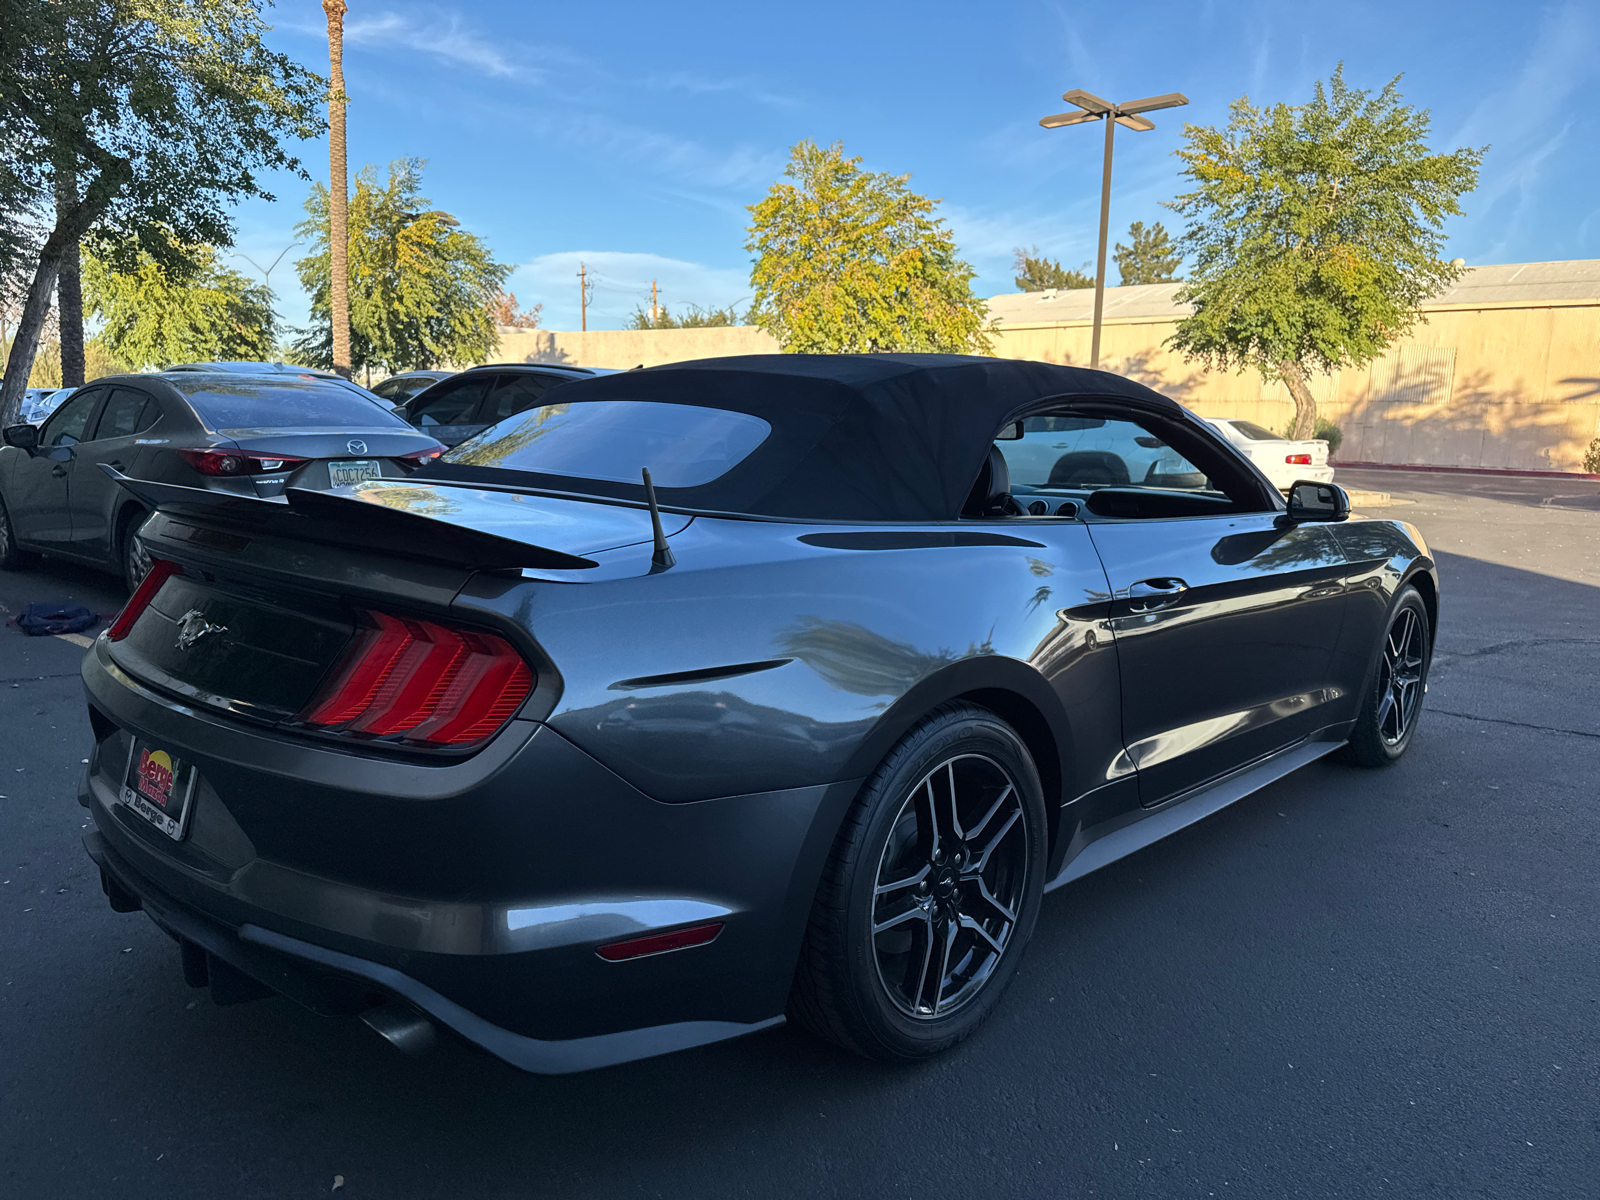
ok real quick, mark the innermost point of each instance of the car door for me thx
(1225, 624)
(93, 496)
(452, 410)
(38, 496)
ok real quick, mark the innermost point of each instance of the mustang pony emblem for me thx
(193, 626)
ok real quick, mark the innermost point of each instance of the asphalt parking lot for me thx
(1350, 984)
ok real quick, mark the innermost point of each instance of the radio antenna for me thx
(662, 558)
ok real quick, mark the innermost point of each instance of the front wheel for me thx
(1393, 703)
(930, 894)
(12, 556)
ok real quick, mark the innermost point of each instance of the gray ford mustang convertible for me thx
(720, 692)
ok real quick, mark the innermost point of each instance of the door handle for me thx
(58, 471)
(1150, 594)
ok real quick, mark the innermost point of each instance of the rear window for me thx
(1255, 433)
(682, 444)
(282, 404)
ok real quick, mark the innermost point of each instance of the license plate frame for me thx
(159, 788)
(350, 471)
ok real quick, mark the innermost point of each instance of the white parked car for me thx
(1284, 461)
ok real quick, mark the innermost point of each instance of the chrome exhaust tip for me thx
(402, 1027)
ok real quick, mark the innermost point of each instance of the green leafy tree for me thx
(206, 311)
(135, 124)
(693, 317)
(1152, 258)
(1315, 231)
(422, 292)
(854, 261)
(1035, 273)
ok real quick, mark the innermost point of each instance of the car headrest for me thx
(991, 494)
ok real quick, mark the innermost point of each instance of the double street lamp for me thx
(1093, 108)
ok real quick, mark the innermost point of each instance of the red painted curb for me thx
(1371, 466)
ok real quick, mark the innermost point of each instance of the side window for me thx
(390, 390)
(452, 402)
(66, 426)
(517, 393)
(127, 412)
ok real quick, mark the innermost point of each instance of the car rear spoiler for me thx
(334, 520)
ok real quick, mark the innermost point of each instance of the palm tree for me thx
(338, 190)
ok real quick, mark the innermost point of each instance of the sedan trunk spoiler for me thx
(330, 519)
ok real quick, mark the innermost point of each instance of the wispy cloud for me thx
(443, 36)
(1523, 125)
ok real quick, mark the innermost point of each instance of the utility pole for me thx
(338, 192)
(583, 298)
(1092, 108)
(653, 309)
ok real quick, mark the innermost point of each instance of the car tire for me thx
(132, 554)
(1392, 705)
(925, 906)
(12, 556)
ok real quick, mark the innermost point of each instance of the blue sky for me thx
(630, 136)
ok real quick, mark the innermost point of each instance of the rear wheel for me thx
(135, 558)
(12, 556)
(930, 894)
(1393, 703)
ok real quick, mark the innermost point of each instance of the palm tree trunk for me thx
(338, 191)
(69, 285)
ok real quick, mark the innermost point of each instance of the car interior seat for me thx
(1088, 468)
(991, 494)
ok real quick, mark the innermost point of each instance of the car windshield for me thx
(682, 444)
(1254, 432)
(241, 402)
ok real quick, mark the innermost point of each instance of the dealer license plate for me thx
(356, 471)
(159, 787)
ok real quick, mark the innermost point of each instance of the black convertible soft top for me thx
(855, 437)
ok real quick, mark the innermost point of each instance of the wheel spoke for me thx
(915, 913)
(955, 817)
(950, 930)
(1384, 707)
(983, 823)
(978, 867)
(990, 899)
(883, 889)
(927, 957)
(933, 817)
(968, 923)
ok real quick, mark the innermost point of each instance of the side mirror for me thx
(23, 437)
(1011, 433)
(1318, 502)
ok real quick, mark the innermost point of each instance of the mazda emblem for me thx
(193, 626)
(356, 446)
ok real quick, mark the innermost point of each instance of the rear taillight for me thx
(660, 943)
(236, 462)
(1298, 460)
(421, 683)
(160, 571)
(421, 457)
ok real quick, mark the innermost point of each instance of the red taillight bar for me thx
(237, 462)
(421, 683)
(660, 943)
(160, 571)
(1298, 460)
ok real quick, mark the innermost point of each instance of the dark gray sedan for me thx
(223, 431)
(722, 692)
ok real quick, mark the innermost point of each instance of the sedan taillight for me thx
(421, 683)
(1298, 460)
(236, 462)
(420, 457)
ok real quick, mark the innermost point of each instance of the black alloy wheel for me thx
(950, 885)
(12, 556)
(931, 892)
(1393, 703)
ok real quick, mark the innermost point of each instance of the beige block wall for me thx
(1525, 391)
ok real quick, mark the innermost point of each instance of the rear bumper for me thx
(332, 982)
(476, 892)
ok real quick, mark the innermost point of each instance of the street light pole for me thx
(1093, 108)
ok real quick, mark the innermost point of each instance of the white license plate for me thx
(357, 471)
(159, 787)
